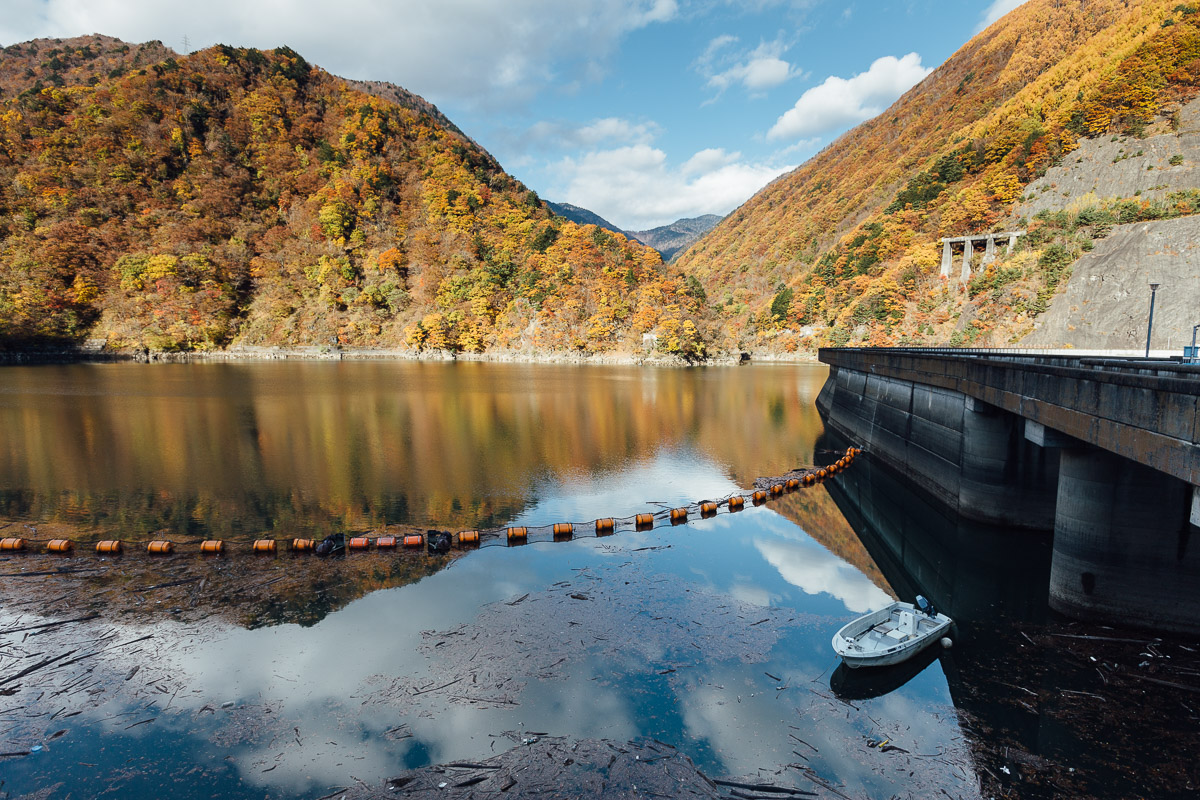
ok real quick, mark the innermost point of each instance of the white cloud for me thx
(708, 160)
(635, 187)
(470, 51)
(756, 74)
(758, 70)
(841, 102)
(996, 10)
(607, 131)
(659, 11)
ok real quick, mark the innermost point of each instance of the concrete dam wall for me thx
(1108, 470)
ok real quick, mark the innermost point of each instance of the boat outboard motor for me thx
(926, 606)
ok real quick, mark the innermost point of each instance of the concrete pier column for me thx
(1123, 549)
(989, 252)
(968, 246)
(998, 465)
(1012, 240)
(947, 258)
(986, 446)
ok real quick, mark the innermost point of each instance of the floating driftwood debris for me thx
(555, 767)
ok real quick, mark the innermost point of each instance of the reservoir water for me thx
(289, 676)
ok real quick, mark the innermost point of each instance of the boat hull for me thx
(888, 636)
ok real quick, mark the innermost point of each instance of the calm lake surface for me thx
(712, 636)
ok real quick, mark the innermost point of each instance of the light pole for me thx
(1192, 360)
(1150, 325)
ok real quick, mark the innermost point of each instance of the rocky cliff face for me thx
(1123, 166)
(1107, 301)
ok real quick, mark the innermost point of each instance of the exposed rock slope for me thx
(1107, 300)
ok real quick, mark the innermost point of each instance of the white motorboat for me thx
(890, 635)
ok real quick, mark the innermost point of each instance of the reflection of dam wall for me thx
(968, 569)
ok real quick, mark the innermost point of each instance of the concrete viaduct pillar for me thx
(1123, 548)
(968, 243)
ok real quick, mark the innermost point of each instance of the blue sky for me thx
(643, 111)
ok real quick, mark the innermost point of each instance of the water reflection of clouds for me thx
(752, 724)
(797, 558)
(806, 565)
(334, 681)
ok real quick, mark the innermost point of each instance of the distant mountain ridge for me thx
(668, 240)
(581, 216)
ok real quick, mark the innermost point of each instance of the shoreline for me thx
(248, 353)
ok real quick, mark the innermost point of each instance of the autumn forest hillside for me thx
(165, 202)
(155, 201)
(845, 249)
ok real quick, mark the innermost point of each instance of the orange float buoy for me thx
(808, 480)
(563, 530)
(414, 540)
(264, 546)
(468, 538)
(358, 543)
(678, 515)
(822, 474)
(518, 533)
(792, 484)
(777, 489)
(159, 548)
(759, 497)
(303, 545)
(108, 547)
(385, 541)
(212, 547)
(737, 503)
(59, 545)
(708, 508)
(604, 527)
(12, 543)
(644, 521)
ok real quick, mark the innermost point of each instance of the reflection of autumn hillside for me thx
(185, 202)
(845, 249)
(249, 590)
(240, 449)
